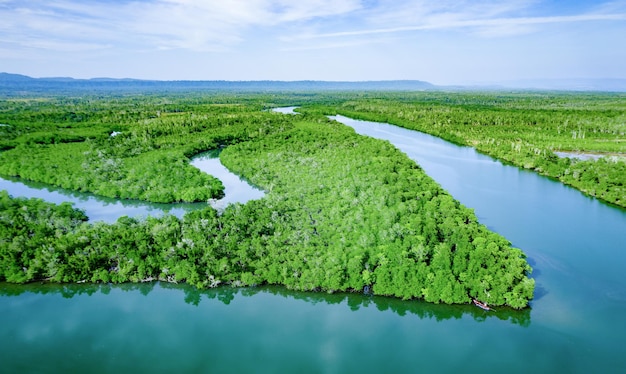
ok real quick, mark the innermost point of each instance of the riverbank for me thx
(515, 130)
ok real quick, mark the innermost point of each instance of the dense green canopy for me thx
(523, 129)
(342, 212)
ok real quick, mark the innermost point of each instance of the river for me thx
(575, 324)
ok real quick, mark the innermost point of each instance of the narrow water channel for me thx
(99, 208)
(576, 245)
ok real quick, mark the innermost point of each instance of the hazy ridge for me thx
(17, 83)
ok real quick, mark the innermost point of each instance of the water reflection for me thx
(285, 110)
(97, 208)
(236, 189)
(225, 295)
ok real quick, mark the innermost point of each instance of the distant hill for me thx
(580, 84)
(6, 77)
(12, 84)
(17, 84)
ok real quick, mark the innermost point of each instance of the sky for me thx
(440, 41)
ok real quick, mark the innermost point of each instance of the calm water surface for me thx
(576, 324)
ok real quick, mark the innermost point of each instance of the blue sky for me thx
(443, 42)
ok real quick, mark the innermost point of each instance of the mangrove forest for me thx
(341, 211)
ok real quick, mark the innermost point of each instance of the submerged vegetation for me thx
(342, 212)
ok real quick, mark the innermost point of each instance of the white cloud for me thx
(269, 38)
(163, 24)
(217, 25)
(407, 12)
(446, 22)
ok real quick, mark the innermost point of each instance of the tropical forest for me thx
(342, 212)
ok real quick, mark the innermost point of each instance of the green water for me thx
(576, 324)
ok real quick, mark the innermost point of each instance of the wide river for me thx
(576, 323)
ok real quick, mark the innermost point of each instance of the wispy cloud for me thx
(212, 25)
(443, 23)
(390, 38)
(163, 24)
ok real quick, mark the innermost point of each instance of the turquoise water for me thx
(160, 327)
(576, 324)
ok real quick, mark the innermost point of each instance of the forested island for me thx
(342, 212)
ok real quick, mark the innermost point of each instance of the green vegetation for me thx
(342, 212)
(356, 221)
(124, 147)
(522, 129)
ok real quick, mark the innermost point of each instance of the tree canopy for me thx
(342, 212)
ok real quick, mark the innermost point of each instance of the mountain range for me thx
(17, 83)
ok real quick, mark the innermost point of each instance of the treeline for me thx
(342, 213)
(524, 130)
(15, 84)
